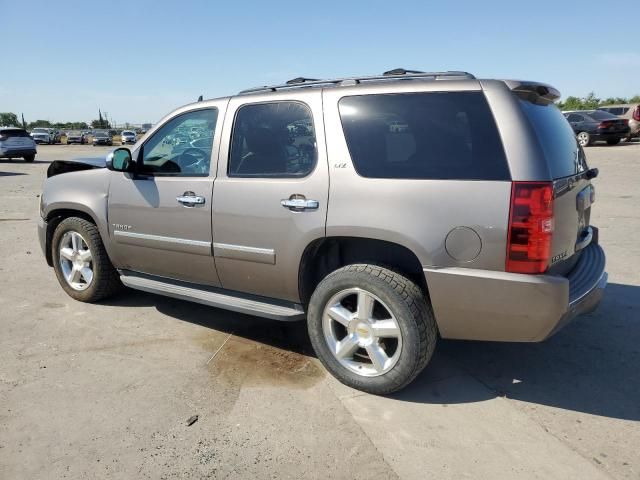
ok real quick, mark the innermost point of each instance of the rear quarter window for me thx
(439, 135)
(557, 139)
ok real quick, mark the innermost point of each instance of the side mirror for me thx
(120, 160)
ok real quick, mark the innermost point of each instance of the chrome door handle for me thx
(299, 204)
(190, 199)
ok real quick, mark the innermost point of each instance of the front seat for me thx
(267, 153)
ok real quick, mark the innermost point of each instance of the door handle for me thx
(299, 204)
(190, 199)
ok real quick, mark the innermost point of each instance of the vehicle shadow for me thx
(590, 366)
(11, 174)
(291, 336)
(20, 160)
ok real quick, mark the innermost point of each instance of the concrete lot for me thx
(104, 391)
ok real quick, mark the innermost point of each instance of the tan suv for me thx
(630, 112)
(385, 211)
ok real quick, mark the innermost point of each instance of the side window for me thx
(573, 117)
(423, 136)
(273, 140)
(182, 146)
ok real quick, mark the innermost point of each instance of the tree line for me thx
(9, 119)
(591, 102)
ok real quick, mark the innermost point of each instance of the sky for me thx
(139, 59)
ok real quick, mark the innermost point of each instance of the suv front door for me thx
(160, 216)
(271, 191)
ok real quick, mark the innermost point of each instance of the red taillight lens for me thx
(636, 113)
(530, 227)
(605, 124)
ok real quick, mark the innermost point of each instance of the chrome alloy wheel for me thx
(362, 332)
(76, 261)
(583, 139)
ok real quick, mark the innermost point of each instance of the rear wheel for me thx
(81, 262)
(371, 328)
(613, 141)
(29, 158)
(584, 139)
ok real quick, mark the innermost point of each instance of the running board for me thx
(215, 297)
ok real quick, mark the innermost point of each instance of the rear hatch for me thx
(573, 192)
(15, 138)
(609, 123)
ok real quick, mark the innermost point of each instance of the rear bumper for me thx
(499, 306)
(17, 152)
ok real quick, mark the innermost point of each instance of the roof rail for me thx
(395, 74)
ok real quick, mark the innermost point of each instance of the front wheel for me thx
(584, 139)
(81, 262)
(29, 158)
(371, 327)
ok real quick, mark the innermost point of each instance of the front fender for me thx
(84, 191)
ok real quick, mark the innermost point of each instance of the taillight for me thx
(530, 227)
(605, 124)
(636, 114)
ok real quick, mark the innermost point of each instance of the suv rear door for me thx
(573, 192)
(271, 191)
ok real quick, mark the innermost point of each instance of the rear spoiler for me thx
(534, 91)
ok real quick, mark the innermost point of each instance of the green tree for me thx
(635, 99)
(8, 119)
(40, 123)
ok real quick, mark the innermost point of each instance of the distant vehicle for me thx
(128, 136)
(595, 125)
(102, 138)
(16, 143)
(45, 135)
(76, 136)
(628, 111)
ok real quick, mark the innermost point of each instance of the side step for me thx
(215, 297)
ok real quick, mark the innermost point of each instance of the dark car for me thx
(595, 125)
(102, 138)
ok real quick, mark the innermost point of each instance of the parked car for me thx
(17, 143)
(473, 223)
(595, 125)
(629, 112)
(45, 135)
(76, 136)
(128, 136)
(102, 138)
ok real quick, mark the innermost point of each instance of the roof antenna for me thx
(200, 98)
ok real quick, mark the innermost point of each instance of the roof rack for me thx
(397, 73)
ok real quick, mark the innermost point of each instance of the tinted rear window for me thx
(556, 137)
(14, 133)
(600, 115)
(437, 135)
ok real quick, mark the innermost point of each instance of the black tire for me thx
(408, 304)
(29, 158)
(106, 280)
(613, 141)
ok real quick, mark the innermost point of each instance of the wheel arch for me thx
(55, 217)
(325, 255)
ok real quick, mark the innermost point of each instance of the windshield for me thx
(126, 132)
(557, 140)
(100, 134)
(40, 130)
(74, 133)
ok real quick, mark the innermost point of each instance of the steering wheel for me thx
(193, 159)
